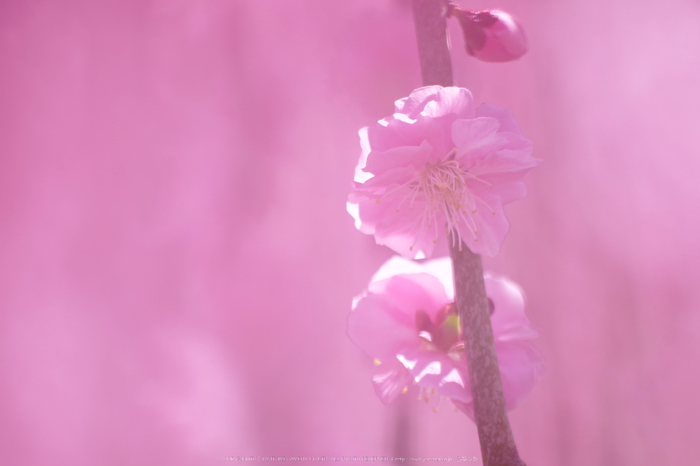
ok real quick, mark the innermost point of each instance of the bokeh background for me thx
(177, 266)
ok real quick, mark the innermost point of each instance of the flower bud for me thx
(491, 35)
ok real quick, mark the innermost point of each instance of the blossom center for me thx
(444, 187)
(442, 333)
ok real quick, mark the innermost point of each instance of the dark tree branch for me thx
(495, 436)
(431, 35)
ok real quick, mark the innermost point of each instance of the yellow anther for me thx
(377, 362)
(379, 201)
(405, 389)
(435, 410)
(427, 400)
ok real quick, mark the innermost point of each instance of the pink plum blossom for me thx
(491, 35)
(439, 166)
(408, 323)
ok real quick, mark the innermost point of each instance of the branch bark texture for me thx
(495, 435)
(431, 35)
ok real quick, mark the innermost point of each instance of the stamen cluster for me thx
(444, 185)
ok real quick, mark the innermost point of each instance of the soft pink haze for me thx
(177, 264)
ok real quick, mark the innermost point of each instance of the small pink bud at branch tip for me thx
(491, 35)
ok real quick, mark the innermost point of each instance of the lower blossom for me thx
(408, 323)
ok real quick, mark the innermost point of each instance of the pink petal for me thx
(416, 101)
(360, 174)
(442, 248)
(404, 231)
(431, 369)
(387, 181)
(492, 228)
(398, 130)
(438, 268)
(392, 221)
(411, 292)
(362, 203)
(455, 101)
(509, 321)
(476, 138)
(390, 381)
(398, 157)
(505, 161)
(466, 408)
(521, 368)
(504, 190)
(366, 212)
(504, 117)
(501, 176)
(508, 35)
(381, 329)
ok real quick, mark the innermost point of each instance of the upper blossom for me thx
(439, 165)
(491, 35)
(408, 323)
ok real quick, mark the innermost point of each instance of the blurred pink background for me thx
(176, 262)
